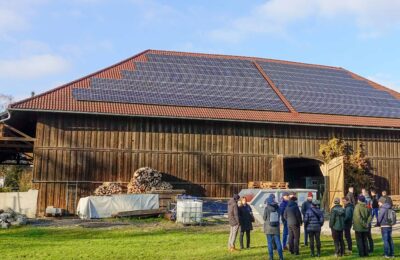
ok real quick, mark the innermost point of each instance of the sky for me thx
(46, 43)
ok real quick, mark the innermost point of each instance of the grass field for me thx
(158, 240)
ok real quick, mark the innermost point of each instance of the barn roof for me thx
(221, 87)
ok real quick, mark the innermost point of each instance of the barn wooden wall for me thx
(74, 153)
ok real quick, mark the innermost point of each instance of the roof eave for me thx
(209, 119)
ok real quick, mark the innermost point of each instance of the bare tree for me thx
(5, 100)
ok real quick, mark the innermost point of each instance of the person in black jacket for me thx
(348, 223)
(336, 223)
(350, 195)
(374, 205)
(292, 215)
(313, 221)
(245, 220)
(304, 207)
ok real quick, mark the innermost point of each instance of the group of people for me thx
(356, 212)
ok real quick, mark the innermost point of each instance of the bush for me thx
(357, 166)
(16, 176)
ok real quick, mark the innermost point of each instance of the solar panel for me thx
(176, 99)
(205, 61)
(187, 78)
(196, 69)
(187, 81)
(255, 91)
(329, 91)
(237, 84)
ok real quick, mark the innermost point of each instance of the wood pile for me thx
(108, 188)
(267, 185)
(146, 180)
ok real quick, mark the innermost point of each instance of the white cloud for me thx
(15, 15)
(33, 66)
(372, 18)
(10, 20)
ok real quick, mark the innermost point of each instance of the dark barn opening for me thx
(304, 173)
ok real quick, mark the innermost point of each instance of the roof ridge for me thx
(79, 79)
(249, 58)
(274, 88)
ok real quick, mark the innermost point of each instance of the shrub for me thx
(357, 166)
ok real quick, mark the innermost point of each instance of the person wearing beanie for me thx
(348, 222)
(282, 207)
(233, 217)
(271, 227)
(294, 220)
(336, 223)
(361, 222)
(313, 221)
(385, 222)
(304, 207)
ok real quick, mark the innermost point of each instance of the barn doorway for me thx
(304, 173)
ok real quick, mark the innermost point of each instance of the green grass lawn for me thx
(156, 241)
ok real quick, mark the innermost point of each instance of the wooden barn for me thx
(212, 122)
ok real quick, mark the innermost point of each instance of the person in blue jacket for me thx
(282, 207)
(313, 221)
(386, 227)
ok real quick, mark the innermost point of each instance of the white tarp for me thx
(21, 202)
(105, 206)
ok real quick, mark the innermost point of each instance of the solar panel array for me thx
(330, 91)
(187, 81)
(237, 84)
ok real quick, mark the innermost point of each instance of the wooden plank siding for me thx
(75, 153)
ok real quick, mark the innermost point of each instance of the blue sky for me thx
(47, 43)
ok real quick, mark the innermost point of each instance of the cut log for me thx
(146, 180)
(108, 188)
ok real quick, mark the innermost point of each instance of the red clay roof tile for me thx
(60, 100)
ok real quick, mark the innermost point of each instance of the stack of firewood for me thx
(108, 188)
(146, 179)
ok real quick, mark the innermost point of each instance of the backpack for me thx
(274, 219)
(392, 219)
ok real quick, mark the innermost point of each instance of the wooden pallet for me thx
(267, 185)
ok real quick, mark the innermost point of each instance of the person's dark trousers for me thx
(338, 241)
(315, 236)
(349, 241)
(375, 212)
(370, 241)
(294, 239)
(388, 246)
(305, 236)
(362, 243)
(285, 234)
(247, 232)
(274, 239)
